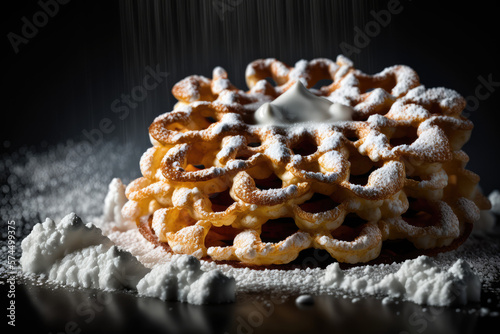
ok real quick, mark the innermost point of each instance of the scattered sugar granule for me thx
(304, 300)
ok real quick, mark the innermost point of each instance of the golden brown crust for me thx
(216, 185)
(396, 251)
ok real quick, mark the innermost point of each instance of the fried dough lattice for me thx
(217, 185)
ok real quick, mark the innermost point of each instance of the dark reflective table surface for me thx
(47, 308)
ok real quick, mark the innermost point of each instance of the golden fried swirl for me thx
(215, 184)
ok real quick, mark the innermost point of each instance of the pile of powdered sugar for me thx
(79, 255)
(64, 190)
(419, 280)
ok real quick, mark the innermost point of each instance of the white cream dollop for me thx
(299, 105)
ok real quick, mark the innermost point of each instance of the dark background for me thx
(63, 81)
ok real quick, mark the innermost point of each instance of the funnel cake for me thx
(216, 185)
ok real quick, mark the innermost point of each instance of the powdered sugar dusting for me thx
(441, 281)
(481, 253)
(74, 254)
(393, 147)
(419, 280)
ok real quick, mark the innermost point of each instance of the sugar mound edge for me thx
(419, 280)
(79, 255)
(182, 279)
